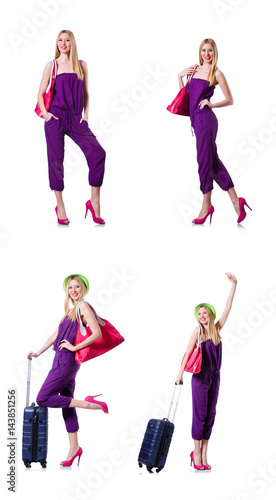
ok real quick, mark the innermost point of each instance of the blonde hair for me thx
(212, 72)
(73, 56)
(213, 329)
(72, 314)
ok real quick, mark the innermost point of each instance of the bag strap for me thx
(52, 75)
(191, 76)
(82, 327)
(199, 335)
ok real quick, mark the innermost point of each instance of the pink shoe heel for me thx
(89, 206)
(197, 467)
(201, 221)
(63, 222)
(101, 403)
(68, 463)
(243, 214)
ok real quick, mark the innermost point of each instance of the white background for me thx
(149, 266)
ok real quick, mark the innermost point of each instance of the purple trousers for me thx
(210, 167)
(69, 123)
(58, 390)
(205, 391)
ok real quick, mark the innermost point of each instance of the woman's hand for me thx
(32, 354)
(48, 117)
(84, 118)
(187, 71)
(204, 103)
(66, 345)
(179, 379)
(232, 278)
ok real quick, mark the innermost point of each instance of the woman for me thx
(70, 99)
(204, 78)
(205, 384)
(58, 388)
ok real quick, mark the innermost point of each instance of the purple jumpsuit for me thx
(58, 388)
(205, 125)
(67, 105)
(205, 390)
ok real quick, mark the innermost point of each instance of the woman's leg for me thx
(95, 155)
(95, 200)
(234, 198)
(60, 205)
(77, 403)
(206, 204)
(74, 445)
(197, 453)
(204, 451)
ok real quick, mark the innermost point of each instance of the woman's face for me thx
(74, 290)
(202, 316)
(64, 43)
(207, 53)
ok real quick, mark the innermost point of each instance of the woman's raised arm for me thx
(221, 322)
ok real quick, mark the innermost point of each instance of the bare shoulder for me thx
(48, 66)
(83, 65)
(84, 307)
(219, 75)
(195, 332)
(47, 69)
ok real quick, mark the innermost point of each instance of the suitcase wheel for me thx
(27, 464)
(140, 465)
(44, 464)
(159, 469)
(149, 467)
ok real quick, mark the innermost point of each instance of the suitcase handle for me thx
(176, 404)
(28, 381)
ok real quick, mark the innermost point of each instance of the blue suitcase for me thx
(157, 440)
(35, 430)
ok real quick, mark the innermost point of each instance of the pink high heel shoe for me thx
(92, 400)
(68, 463)
(89, 206)
(242, 215)
(207, 466)
(197, 467)
(63, 222)
(210, 212)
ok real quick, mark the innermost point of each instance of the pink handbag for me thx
(48, 95)
(110, 339)
(193, 364)
(180, 104)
